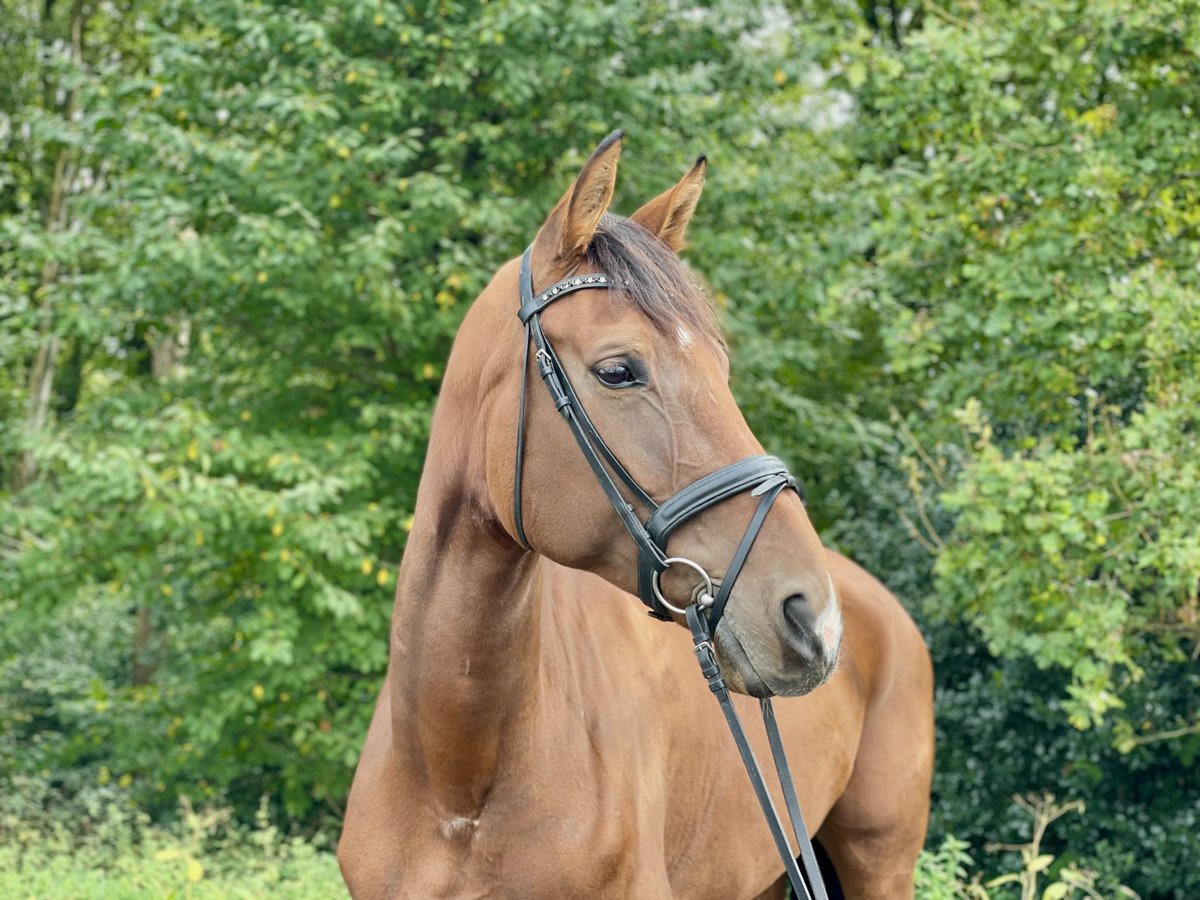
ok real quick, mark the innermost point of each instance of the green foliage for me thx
(102, 846)
(1025, 177)
(274, 219)
(954, 246)
(942, 873)
(1001, 732)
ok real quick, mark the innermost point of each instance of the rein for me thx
(764, 477)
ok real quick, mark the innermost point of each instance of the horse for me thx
(537, 734)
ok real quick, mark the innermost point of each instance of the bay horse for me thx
(538, 735)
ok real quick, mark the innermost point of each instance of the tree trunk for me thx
(168, 346)
(144, 664)
(41, 373)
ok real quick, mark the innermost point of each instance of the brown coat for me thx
(537, 734)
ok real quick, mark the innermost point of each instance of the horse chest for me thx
(558, 835)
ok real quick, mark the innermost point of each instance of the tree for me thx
(291, 206)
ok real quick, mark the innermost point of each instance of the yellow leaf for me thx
(277, 529)
(1101, 118)
(167, 590)
(379, 18)
(167, 854)
(428, 372)
(246, 415)
(261, 277)
(367, 567)
(125, 780)
(195, 871)
(408, 523)
(334, 201)
(193, 450)
(199, 535)
(1041, 863)
(382, 577)
(156, 92)
(104, 776)
(780, 77)
(257, 692)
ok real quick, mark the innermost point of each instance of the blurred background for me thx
(955, 248)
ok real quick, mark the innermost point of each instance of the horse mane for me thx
(646, 273)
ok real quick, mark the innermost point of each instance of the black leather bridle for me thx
(764, 477)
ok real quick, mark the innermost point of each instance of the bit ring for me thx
(706, 593)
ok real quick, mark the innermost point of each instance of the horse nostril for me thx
(798, 613)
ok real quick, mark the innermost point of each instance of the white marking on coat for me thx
(459, 826)
(829, 623)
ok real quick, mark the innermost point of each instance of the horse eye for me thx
(616, 375)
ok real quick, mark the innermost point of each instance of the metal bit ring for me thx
(705, 588)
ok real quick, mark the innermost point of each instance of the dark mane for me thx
(645, 272)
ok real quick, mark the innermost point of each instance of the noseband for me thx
(764, 477)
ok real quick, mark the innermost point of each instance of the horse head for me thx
(639, 349)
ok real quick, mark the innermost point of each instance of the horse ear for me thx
(668, 214)
(575, 218)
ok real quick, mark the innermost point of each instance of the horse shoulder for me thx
(882, 646)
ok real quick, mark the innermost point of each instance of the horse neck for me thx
(465, 649)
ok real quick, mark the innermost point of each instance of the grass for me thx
(96, 844)
(120, 855)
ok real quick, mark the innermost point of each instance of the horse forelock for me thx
(647, 274)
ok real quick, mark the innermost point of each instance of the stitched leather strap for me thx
(716, 683)
(739, 557)
(566, 401)
(811, 867)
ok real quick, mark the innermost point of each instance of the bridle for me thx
(764, 477)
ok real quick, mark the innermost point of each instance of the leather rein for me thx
(764, 477)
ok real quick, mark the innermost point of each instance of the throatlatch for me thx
(764, 477)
